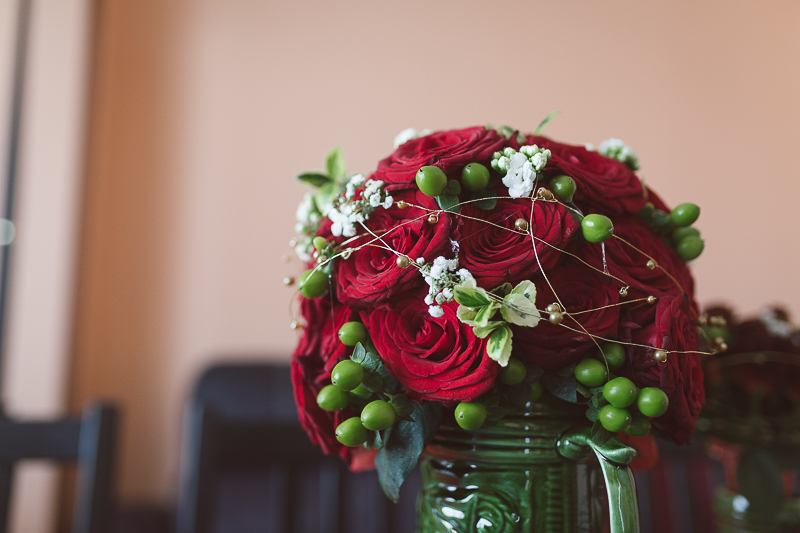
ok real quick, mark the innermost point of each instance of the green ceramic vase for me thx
(537, 471)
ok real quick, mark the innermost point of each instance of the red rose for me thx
(434, 358)
(630, 265)
(448, 150)
(371, 275)
(672, 327)
(603, 183)
(317, 353)
(580, 289)
(495, 255)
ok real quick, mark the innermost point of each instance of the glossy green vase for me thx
(537, 471)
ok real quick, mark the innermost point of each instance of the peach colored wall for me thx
(203, 111)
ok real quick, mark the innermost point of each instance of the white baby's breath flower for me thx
(435, 311)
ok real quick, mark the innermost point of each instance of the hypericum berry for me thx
(652, 402)
(640, 426)
(613, 418)
(319, 242)
(351, 432)
(351, 333)
(620, 392)
(597, 228)
(513, 373)
(361, 391)
(614, 355)
(377, 415)
(536, 392)
(564, 187)
(475, 177)
(470, 415)
(332, 398)
(684, 215)
(591, 372)
(679, 233)
(690, 248)
(431, 180)
(312, 283)
(347, 375)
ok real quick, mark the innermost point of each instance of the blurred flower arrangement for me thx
(476, 269)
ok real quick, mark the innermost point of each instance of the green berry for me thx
(470, 415)
(361, 391)
(536, 392)
(564, 187)
(347, 375)
(613, 418)
(597, 228)
(680, 233)
(614, 355)
(620, 392)
(319, 242)
(513, 373)
(377, 415)
(431, 180)
(313, 283)
(684, 215)
(640, 426)
(351, 432)
(652, 402)
(591, 372)
(332, 398)
(475, 177)
(351, 333)
(690, 248)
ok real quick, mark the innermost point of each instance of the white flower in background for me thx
(441, 276)
(408, 134)
(308, 219)
(777, 325)
(616, 149)
(521, 168)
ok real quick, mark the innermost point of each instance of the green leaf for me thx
(366, 358)
(534, 373)
(488, 201)
(404, 443)
(490, 400)
(495, 413)
(600, 435)
(502, 290)
(374, 440)
(470, 297)
(314, 179)
(448, 202)
(326, 194)
(483, 331)
(526, 288)
(592, 414)
(521, 138)
(372, 381)
(560, 386)
(519, 310)
(402, 405)
(334, 163)
(582, 390)
(505, 131)
(453, 187)
(543, 124)
(466, 315)
(499, 345)
(485, 314)
(517, 395)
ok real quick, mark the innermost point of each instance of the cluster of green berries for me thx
(676, 227)
(347, 380)
(314, 282)
(432, 180)
(623, 407)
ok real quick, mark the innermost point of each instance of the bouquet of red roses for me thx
(474, 270)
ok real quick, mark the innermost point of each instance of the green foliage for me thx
(499, 345)
(600, 435)
(314, 179)
(543, 124)
(334, 164)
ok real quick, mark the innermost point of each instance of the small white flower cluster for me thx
(441, 276)
(520, 168)
(347, 211)
(777, 325)
(616, 149)
(308, 219)
(408, 134)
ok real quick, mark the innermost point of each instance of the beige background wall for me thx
(203, 111)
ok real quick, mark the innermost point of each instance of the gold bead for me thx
(521, 224)
(718, 321)
(623, 291)
(401, 204)
(722, 347)
(433, 219)
(556, 318)
(719, 340)
(660, 356)
(285, 258)
(296, 325)
(651, 264)
(651, 299)
(402, 261)
(292, 243)
(288, 280)
(347, 253)
(702, 320)
(544, 194)
(553, 308)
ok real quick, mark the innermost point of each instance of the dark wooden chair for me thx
(87, 440)
(247, 465)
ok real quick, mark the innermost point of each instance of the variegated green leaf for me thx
(502, 290)
(470, 297)
(527, 289)
(483, 331)
(520, 311)
(499, 345)
(485, 314)
(334, 163)
(466, 315)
